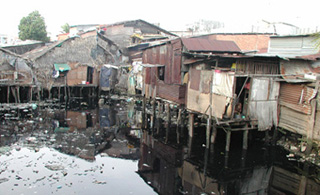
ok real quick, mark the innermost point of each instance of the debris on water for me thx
(18, 177)
(2, 180)
(31, 139)
(99, 182)
(64, 173)
(59, 187)
(40, 179)
(5, 149)
(55, 167)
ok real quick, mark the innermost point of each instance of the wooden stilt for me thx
(213, 138)
(168, 121)
(153, 114)
(8, 94)
(50, 93)
(191, 124)
(160, 110)
(59, 93)
(226, 159)
(38, 91)
(228, 140)
(13, 90)
(245, 139)
(243, 158)
(208, 132)
(190, 141)
(30, 94)
(178, 125)
(275, 135)
(18, 94)
(144, 112)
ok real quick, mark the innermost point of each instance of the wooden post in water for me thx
(59, 93)
(168, 121)
(178, 125)
(228, 140)
(209, 118)
(245, 139)
(30, 94)
(160, 110)
(8, 94)
(153, 114)
(18, 94)
(191, 124)
(213, 137)
(144, 113)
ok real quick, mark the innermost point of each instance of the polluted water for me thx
(119, 148)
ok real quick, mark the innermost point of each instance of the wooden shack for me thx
(84, 54)
(16, 78)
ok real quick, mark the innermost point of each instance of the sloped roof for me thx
(142, 21)
(204, 45)
(37, 53)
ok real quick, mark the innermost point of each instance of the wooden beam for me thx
(228, 139)
(191, 124)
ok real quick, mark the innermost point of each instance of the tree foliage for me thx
(65, 28)
(33, 27)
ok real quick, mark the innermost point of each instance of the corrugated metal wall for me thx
(168, 55)
(296, 109)
(296, 97)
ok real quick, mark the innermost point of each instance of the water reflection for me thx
(91, 149)
(187, 166)
(79, 150)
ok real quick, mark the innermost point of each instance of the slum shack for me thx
(299, 81)
(84, 54)
(237, 91)
(135, 32)
(16, 78)
(214, 78)
(164, 71)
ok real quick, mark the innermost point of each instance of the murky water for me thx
(87, 149)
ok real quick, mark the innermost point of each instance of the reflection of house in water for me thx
(158, 165)
(174, 169)
(79, 134)
(124, 141)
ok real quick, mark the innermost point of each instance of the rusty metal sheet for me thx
(176, 64)
(296, 97)
(172, 92)
(195, 79)
(294, 71)
(199, 44)
(293, 121)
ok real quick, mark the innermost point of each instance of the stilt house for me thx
(16, 78)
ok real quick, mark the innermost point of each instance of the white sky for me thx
(171, 14)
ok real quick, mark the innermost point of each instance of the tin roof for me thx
(204, 45)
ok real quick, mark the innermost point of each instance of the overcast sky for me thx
(171, 14)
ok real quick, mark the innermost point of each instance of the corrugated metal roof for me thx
(198, 44)
(312, 57)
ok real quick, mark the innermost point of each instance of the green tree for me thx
(66, 28)
(33, 27)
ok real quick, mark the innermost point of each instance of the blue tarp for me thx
(108, 75)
